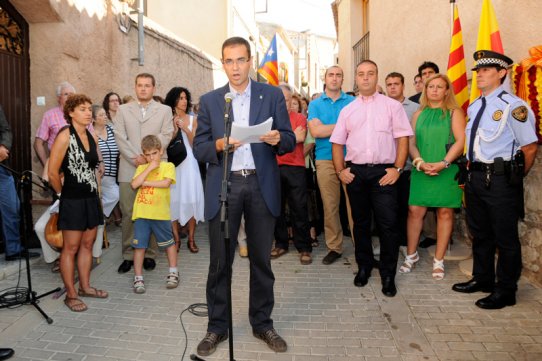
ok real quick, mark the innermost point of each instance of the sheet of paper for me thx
(251, 134)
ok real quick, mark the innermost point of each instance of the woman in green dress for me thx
(439, 138)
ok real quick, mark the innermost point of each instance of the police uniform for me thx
(500, 123)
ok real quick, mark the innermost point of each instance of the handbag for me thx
(52, 235)
(461, 161)
(176, 150)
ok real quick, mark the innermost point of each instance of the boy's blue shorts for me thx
(160, 229)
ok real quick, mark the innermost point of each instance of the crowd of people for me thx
(358, 164)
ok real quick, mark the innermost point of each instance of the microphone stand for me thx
(224, 223)
(31, 298)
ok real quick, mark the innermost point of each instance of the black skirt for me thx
(79, 214)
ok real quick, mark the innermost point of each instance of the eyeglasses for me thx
(230, 62)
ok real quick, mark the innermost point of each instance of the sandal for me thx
(95, 293)
(409, 263)
(314, 242)
(192, 246)
(139, 286)
(172, 280)
(278, 252)
(438, 269)
(75, 304)
(55, 268)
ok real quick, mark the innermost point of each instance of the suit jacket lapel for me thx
(256, 98)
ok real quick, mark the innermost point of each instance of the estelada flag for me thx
(269, 66)
(457, 70)
(489, 38)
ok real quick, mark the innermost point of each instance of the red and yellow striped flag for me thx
(489, 38)
(268, 67)
(457, 70)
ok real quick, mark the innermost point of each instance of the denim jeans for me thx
(9, 211)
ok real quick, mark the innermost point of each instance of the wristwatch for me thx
(399, 170)
(446, 163)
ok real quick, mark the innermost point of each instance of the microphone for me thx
(228, 97)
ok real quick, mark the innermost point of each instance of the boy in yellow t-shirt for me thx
(151, 211)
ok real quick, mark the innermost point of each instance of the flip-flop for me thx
(96, 294)
(73, 303)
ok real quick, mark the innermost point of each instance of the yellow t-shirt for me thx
(151, 202)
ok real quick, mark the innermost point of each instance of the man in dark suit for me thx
(254, 190)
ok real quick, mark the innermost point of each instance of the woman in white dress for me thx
(187, 194)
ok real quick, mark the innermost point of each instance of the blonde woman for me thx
(439, 138)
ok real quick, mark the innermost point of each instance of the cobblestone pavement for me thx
(318, 311)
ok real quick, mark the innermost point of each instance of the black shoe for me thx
(272, 339)
(125, 266)
(388, 286)
(208, 345)
(6, 353)
(331, 257)
(472, 286)
(149, 264)
(362, 277)
(20, 255)
(497, 300)
(427, 242)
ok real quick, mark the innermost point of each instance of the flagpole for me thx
(452, 3)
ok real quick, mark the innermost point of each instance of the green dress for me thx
(432, 133)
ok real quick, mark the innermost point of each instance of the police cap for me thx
(488, 58)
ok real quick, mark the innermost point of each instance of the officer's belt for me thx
(488, 167)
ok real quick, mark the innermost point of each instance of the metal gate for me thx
(15, 83)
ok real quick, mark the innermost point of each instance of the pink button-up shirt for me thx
(369, 126)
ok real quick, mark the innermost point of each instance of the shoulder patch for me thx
(497, 115)
(520, 113)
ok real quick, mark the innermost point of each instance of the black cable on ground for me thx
(197, 309)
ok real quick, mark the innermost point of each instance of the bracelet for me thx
(339, 172)
(416, 161)
(419, 165)
(446, 163)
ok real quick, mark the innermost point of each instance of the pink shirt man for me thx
(51, 123)
(368, 127)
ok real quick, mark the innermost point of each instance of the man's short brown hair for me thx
(146, 75)
(236, 40)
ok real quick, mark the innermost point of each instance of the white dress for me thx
(187, 193)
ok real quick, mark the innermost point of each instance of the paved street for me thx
(318, 311)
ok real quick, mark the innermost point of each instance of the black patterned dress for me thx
(80, 207)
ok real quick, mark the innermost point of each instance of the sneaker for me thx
(139, 287)
(172, 280)
(208, 345)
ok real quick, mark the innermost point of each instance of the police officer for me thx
(501, 124)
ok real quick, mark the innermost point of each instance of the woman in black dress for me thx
(75, 154)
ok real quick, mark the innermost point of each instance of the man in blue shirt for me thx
(323, 114)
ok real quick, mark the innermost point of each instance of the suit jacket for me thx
(265, 101)
(130, 128)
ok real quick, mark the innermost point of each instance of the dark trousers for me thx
(366, 197)
(245, 197)
(294, 192)
(403, 193)
(492, 217)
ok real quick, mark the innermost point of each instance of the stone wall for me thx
(80, 42)
(530, 231)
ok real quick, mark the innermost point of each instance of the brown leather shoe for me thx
(305, 258)
(208, 345)
(278, 252)
(272, 339)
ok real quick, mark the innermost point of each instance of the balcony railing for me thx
(361, 49)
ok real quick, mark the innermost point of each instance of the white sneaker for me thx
(139, 287)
